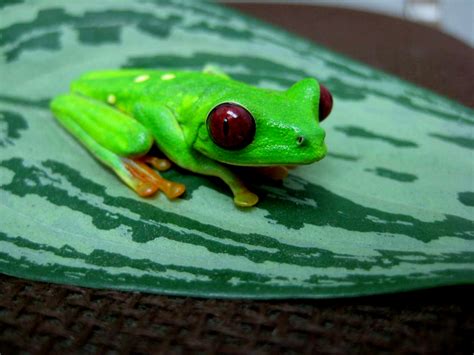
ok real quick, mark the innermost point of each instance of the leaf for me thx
(389, 209)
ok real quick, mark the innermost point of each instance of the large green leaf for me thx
(389, 209)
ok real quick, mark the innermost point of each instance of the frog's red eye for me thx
(231, 126)
(325, 103)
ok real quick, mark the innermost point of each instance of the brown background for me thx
(44, 318)
(415, 52)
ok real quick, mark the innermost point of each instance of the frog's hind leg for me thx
(149, 181)
(118, 141)
(159, 164)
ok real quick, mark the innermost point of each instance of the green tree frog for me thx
(202, 121)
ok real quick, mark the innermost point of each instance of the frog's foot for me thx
(245, 199)
(146, 181)
(273, 172)
(159, 164)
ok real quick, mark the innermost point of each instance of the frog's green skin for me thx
(118, 114)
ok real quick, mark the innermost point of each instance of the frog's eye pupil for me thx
(231, 126)
(226, 127)
(325, 103)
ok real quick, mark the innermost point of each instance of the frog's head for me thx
(249, 126)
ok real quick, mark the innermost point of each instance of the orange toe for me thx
(159, 164)
(145, 189)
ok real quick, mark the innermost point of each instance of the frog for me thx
(202, 121)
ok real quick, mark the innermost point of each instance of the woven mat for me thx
(45, 318)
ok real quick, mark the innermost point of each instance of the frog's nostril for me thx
(300, 140)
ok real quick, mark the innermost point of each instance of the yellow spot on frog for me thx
(168, 76)
(141, 78)
(111, 99)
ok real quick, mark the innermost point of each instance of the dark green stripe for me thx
(393, 175)
(360, 132)
(464, 142)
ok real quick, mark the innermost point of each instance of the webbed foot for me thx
(158, 163)
(146, 181)
(245, 199)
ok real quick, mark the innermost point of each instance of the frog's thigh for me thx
(114, 139)
(112, 129)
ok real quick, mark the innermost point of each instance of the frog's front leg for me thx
(171, 141)
(203, 165)
(117, 140)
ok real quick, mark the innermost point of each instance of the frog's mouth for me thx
(275, 171)
(281, 158)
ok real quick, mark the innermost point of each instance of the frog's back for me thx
(126, 87)
(142, 80)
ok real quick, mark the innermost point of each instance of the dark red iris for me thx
(325, 103)
(231, 126)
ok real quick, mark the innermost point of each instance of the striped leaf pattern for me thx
(389, 209)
